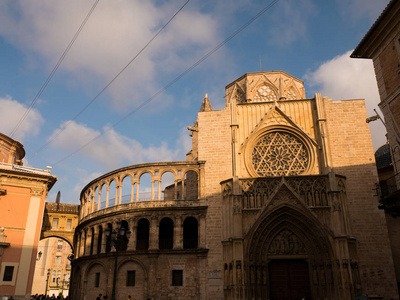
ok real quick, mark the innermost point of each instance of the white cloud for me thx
(11, 112)
(112, 149)
(344, 78)
(114, 34)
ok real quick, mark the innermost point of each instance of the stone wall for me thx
(352, 155)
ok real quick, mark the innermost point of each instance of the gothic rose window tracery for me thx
(265, 94)
(280, 154)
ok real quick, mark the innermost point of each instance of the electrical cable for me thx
(54, 69)
(114, 78)
(172, 82)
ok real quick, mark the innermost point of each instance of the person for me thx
(129, 297)
(105, 297)
(99, 297)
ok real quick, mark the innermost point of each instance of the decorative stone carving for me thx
(286, 243)
(265, 94)
(280, 154)
(291, 94)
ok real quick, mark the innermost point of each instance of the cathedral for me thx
(276, 200)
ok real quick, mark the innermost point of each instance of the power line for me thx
(111, 82)
(54, 69)
(172, 82)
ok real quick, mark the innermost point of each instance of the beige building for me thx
(275, 201)
(23, 193)
(53, 269)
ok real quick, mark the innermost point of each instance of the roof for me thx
(357, 51)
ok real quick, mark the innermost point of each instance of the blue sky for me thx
(311, 40)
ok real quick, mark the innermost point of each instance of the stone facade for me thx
(285, 207)
(382, 45)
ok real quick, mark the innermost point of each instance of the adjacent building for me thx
(382, 45)
(276, 200)
(23, 193)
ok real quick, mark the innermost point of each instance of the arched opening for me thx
(91, 241)
(145, 187)
(168, 186)
(142, 235)
(191, 185)
(54, 260)
(96, 199)
(111, 194)
(166, 234)
(96, 281)
(84, 242)
(126, 190)
(103, 196)
(285, 245)
(190, 233)
(99, 239)
(124, 245)
(108, 238)
(132, 279)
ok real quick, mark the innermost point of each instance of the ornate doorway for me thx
(289, 279)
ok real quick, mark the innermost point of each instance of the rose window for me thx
(265, 94)
(280, 154)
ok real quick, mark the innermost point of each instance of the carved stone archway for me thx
(288, 231)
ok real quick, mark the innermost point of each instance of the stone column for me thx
(178, 233)
(202, 232)
(95, 239)
(132, 190)
(153, 234)
(103, 238)
(159, 190)
(99, 201)
(108, 194)
(152, 190)
(116, 194)
(132, 240)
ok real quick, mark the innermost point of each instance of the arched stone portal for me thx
(288, 254)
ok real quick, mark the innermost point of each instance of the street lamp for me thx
(118, 239)
(47, 281)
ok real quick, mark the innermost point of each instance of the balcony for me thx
(124, 189)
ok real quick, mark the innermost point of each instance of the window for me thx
(59, 245)
(69, 224)
(177, 277)
(58, 260)
(8, 273)
(55, 223)
(130, 278)
(97, 280)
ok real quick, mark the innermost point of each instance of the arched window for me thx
(166, 234)
(123, 246)
(99, 239)
(190, 233)
(142, 235)
(108, 240)
(92, 241)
